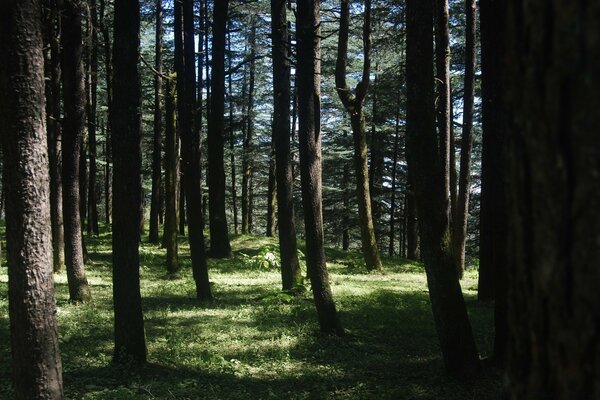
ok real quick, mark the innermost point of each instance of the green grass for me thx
(252, 342)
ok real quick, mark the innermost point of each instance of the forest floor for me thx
(253, 342)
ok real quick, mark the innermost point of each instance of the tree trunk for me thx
(353, 104)
(130, 343)
(73, 127)
(249, 155)
(346, 205)
(156, 148)
(552, 61)
(428, 175)
(108, 79)
(91, 106)
(52, 78)
(392, 233)
(271, 193)
(232, 139)
(182, 206)
(308, 77)
(171, 180)
(291, 274)
(377, 160)
(36, 364)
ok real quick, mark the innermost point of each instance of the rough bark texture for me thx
(73, 127)
(130, 343)
(36, 364)
(291, 274)
(190, 151)
(461, 213)
(427, 171)
(91, 106)
(219, 236)
(171, 180)
(353, 103)
(156, 142)
(308, 77)
(553, 153)
(52, 77)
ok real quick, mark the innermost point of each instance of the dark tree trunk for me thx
(413, 251)
(130, 343)
(190, 151)
(155, 203)
(353, 103)
(346, 205)
(291, 274)
(171, 180)
(73, 127)
(442, 75)
(182, 205)
(308, 77)
(232, 140)
(247, 162)
(553, 155)
(428, 174)
(108, 79)
(459, 223)
(36, 364)
(219, 236)
(52, 78)
(392, 233)
(83, 172)
(92, 96)
(271, 193)
(493, 214)
(377, 161)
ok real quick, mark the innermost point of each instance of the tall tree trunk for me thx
(459, 223)
(232, 138)
(271, 193)
(413, 251)
(346, 206)
(431, 194)
(130, 343)
(73, 127)
(36, 364)
(52, 78)
(156, 148)
(247, 162)
(442, 76)
(392, 233)
(308, 77)
(353, 103)
(219, 236)
(108, 79)
(291, 274)
(171, 180)
(92, 96)
(377, 161)
(552, 60)
(182, 206)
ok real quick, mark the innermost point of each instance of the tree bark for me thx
(427, 172)
(308, 77)
(52, 78)
(291, 274)
(353, 103)
(156, 143)
(130, 343)
(36, 363)
(73, 127)
(552, 60)
(459, 223)
(171, 180)
(91, 107)
(108, 79)
(392, 233)
(232, 139)
(219, 236)
(271, 193)
(247, 162)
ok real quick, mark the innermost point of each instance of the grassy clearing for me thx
(252, 342)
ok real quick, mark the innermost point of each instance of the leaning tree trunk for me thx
(553, 152)
(291, 274)
(130, 343)
(427, 170)
(36, 364)
(156, 142)
(73, 127)
(308, 77)
(219, 236)
(353, 103)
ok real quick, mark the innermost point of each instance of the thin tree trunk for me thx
(248, 147)
(392, 233)
(182, 205)
(428, 175)
(232, 139)
(52, 65)
(271, 194)
(219, 236)
(377, 159)
(353, 104)
(73, 127)
(36, 363)
(459, 223)
(171, 180)
(130, 343)
(309, 110)
(108, 79)
(346, 205)
(291, 274)
(156, 148)
(91, 106)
